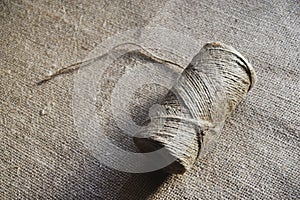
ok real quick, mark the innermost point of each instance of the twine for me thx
(194, 111)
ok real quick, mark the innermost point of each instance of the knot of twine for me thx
(193, 113)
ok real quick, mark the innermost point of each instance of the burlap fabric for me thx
(41, 156)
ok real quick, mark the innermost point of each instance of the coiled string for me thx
(193, 113)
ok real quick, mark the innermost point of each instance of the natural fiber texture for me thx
(41, 156)
(194, 111)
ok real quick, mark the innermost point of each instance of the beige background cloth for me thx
(41, 156)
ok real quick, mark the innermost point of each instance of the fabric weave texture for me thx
(41, 156)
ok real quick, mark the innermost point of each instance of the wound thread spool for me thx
(193, 113)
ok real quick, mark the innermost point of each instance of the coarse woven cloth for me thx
(41, 155)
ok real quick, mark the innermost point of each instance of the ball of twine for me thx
(194, 111)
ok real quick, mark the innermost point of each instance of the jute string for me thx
(192, 114)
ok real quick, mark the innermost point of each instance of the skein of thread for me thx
(193, 113)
